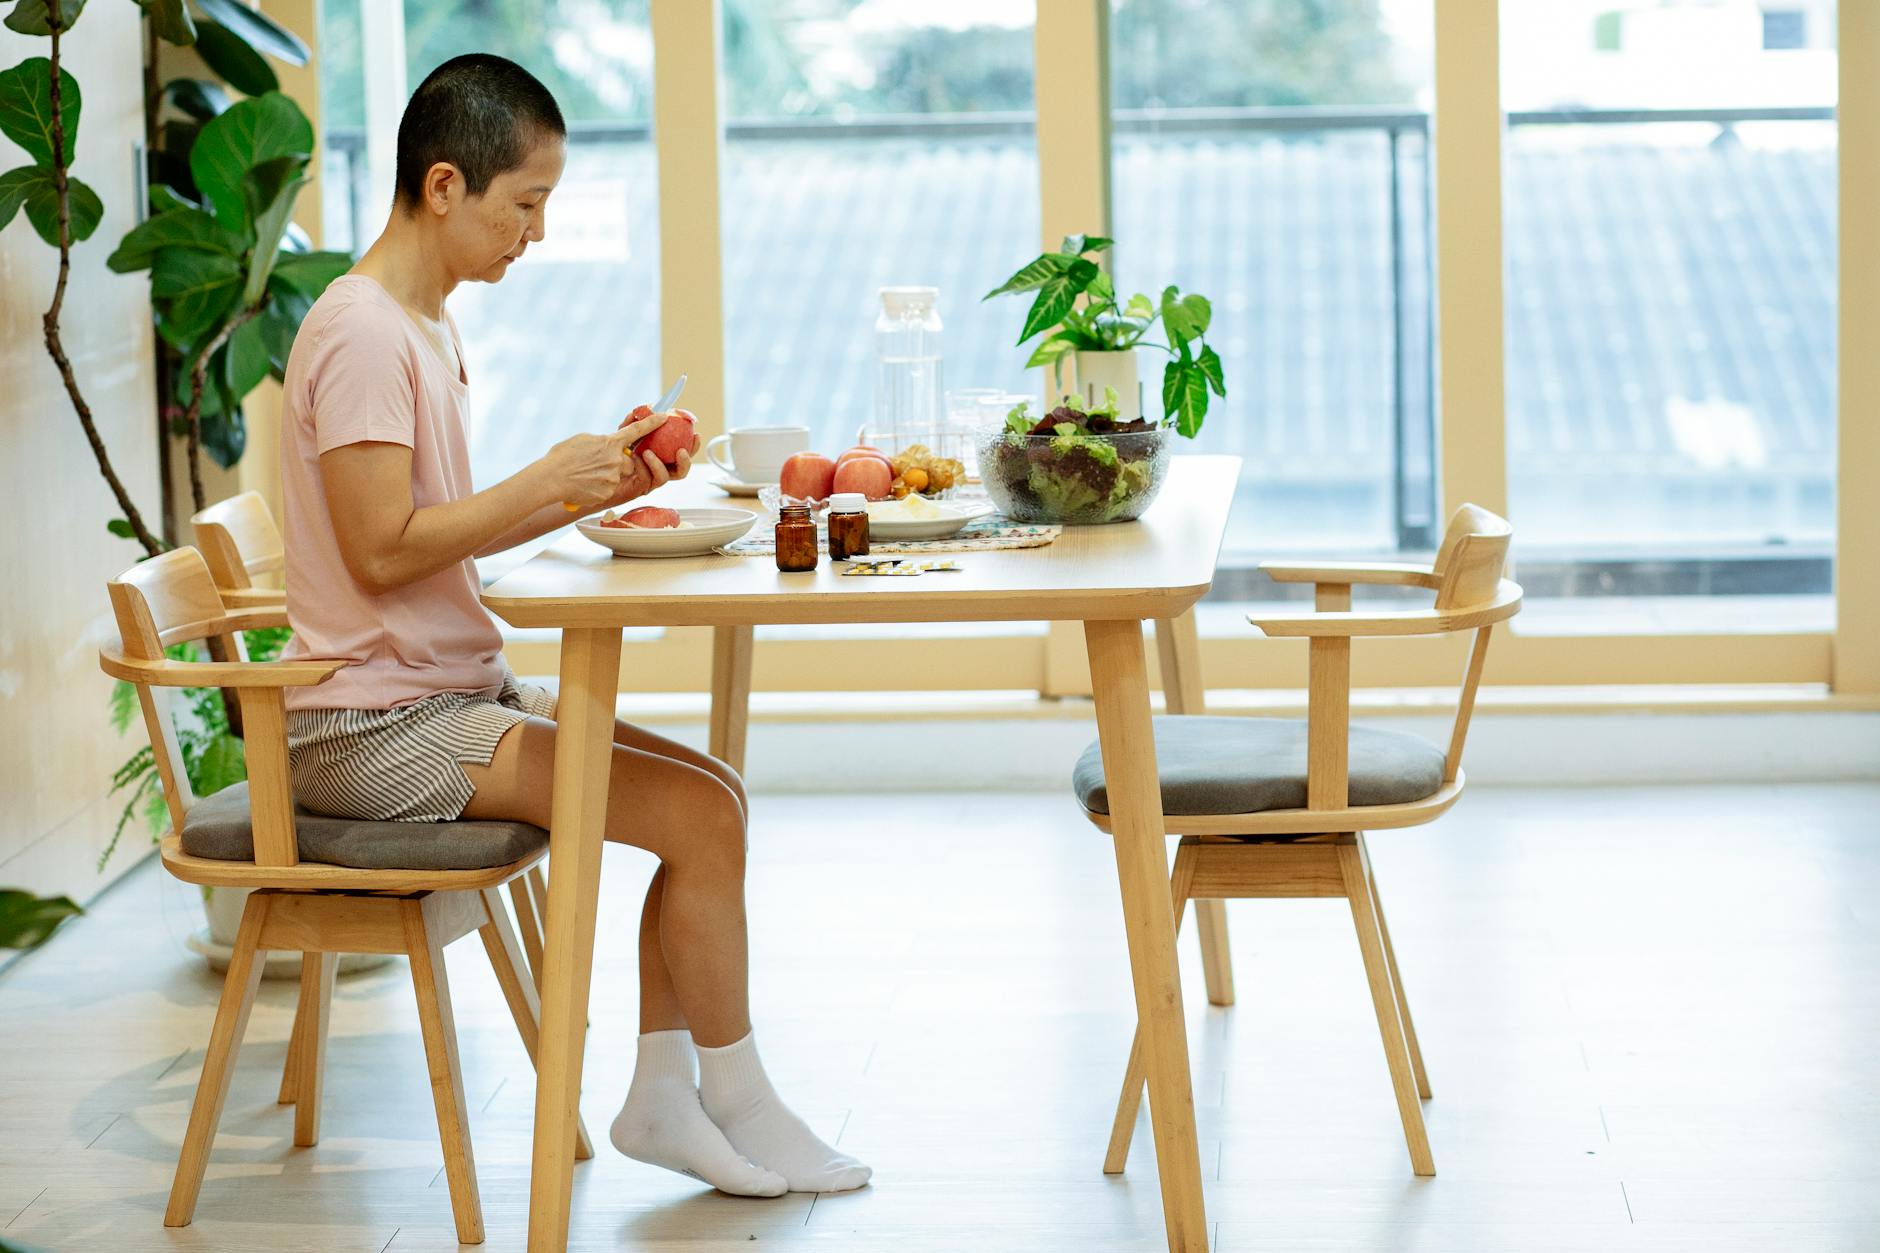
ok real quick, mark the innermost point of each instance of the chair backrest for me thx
(1469, 571)
(172, 599)
(239, 539)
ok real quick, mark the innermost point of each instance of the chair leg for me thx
(290, 1068)
(316, 1011)
(1352, 862)
(1136, 1073)
(1217, 965)
(218, 1062)
(440, 1049)
(1396, 982)
(524, 1004)
(529, 921)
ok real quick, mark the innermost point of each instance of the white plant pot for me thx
(1097, 370)
(223, 909)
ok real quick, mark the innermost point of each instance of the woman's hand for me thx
(646, 472)
(590, 471)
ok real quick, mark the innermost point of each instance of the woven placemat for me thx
(980, 535)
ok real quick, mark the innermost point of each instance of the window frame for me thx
(1072, 92)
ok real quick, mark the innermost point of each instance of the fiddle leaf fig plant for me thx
(1104, 324)
(228, 283)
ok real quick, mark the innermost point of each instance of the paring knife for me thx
(666, 402)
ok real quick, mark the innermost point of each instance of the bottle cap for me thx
(848, 502)
(902, 300)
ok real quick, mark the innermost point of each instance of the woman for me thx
(428, 724)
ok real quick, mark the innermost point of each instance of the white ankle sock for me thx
(664, 1124)
(738, 1096)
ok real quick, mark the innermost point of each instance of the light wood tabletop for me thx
(1111, 578)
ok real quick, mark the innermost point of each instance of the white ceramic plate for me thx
(732, 487)
(955, 519)
(710, 528)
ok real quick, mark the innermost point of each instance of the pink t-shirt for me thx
(362, 371)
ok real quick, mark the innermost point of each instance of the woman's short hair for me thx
(478, 112)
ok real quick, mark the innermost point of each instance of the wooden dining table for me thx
(1112, 579)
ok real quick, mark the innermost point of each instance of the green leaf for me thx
(26, 921)
(248, 361)
(1056, 297)
(280, 320)
(1037, 274)
(33, 187)
(1139, 306)
(310, 272)
(1077, 245)
(34, 17)
(122, 529)
(195, 289)
(26, 108)
(1050, 350)
(1186, 317)
(225, 433)
(164, 197)
(197, 97)
(1209, 363)
(257, 30)
(1185, 394)
(178, 228)
(249, 134)
(270, 190)
(229, 55)
(171, 20)
(15, 186)
(1101, 291)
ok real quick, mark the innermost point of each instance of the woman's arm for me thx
(643, 477)
(387, 542)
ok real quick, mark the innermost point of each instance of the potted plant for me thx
(1101, 336)
(1091, 460)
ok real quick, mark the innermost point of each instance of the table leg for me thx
(1178, 645)
(590, 671)
(1120, 678)
(731, 693)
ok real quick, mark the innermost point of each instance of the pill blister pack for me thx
(896, 567)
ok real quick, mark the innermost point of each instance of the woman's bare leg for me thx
(659, 1003)
(694, 823)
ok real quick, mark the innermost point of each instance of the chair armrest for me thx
(253, 598)
(1392, 622)
(168, 673)
(1401, 573)
(256, 616)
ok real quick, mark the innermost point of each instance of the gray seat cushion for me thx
(1249, 765)
(218, 828)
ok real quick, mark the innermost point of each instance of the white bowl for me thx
(709, 529)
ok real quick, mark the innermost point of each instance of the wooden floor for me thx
(1651, 1017)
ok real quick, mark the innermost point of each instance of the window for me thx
(1669, 234)
(1273, 157)
(870, 143)
(1784, 28)
(569, 340)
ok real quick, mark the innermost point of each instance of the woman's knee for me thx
(716, 841)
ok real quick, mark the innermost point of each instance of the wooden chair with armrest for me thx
(1279, 807)
(238, 539)
(320, 885)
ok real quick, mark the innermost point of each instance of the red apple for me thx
(863, 450)
(651, 516)
(871, 476)
(669, 439)
(807, 476)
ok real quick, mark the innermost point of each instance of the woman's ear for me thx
(441, 182)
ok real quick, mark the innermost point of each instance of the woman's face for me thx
(483, 234)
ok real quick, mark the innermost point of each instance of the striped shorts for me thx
(404, 764)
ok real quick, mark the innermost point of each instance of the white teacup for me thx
(758, 452)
